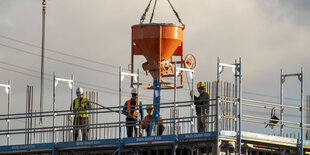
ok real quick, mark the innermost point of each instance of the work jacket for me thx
(131, 108)
(80, 107)
(202, 103)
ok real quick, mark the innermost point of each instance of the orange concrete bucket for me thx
(157, 42)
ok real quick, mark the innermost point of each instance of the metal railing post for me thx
(240, 105)
(281, 102)
(192, 105)
(174, 107)
(301, 112)
(54, 106)
(236, 105)
(9, 91)
(119, 110)
(217, 105)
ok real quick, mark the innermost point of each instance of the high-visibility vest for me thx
(135, 113)
(148, 118)
(80, 112)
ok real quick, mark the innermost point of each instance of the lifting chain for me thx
(176, 14)
(148, 7)
(144, 14)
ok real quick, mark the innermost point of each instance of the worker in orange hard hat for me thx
(147, 121)
(131, 109)
(202, 103)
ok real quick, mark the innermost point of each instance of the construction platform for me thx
(196, 143)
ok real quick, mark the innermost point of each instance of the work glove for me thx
(82, 106)
(191, 93)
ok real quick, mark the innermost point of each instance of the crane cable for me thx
(148, 7)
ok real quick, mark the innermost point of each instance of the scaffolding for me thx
(226, 132)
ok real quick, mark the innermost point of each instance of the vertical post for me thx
(72, 107)
(217, 106)
(9, 110)
(54, 99)
(192, 105)
(301, 112)
(236, 106)
(240, 106)
(119, 110)
(174, 107)
(138, 99)
(281, 102)
(42, 60)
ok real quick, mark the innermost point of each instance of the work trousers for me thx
(131, 125)
(160, 130)
(202, 125)
(80, 123)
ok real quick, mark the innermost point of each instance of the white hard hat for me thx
(134, 91)
(79, 91)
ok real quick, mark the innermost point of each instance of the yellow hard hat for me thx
(149, 107)
(201, 84)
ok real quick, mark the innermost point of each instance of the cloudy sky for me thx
(267, 35)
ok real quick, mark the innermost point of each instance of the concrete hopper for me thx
(157, 43)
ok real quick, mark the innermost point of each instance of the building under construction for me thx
(162, 47)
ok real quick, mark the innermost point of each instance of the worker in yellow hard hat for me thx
(147, 120)
(202, 103)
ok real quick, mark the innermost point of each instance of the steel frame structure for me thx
(236, 68)
(300, 78)
(55, 83)
(8, 89)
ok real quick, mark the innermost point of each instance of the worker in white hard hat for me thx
(79, 107)
(132, 109)
(202, 103)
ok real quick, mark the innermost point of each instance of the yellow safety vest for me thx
(80, 111)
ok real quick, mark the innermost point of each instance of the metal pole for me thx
(9, 110)
(217, 106)
(119, 110)
(72, 106)
(137, 102)
(174, 108)
(236, 106)
(301, 112)
(282, 79)
(240, 106)
(192, 106)
(54, 99)
(26, 114)
(42, 60)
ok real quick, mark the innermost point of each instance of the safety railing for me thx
(64, 126)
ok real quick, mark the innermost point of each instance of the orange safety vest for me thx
(135, 113)
(147, 118)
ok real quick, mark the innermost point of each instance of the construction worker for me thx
(146, 122)
(79, 108)
(131, 109)
(202, 106)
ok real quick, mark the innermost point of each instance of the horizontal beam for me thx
(287, 75)
(5, 85)
(185, 69)
(129, 74)
(64, 80)
(227, 65)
